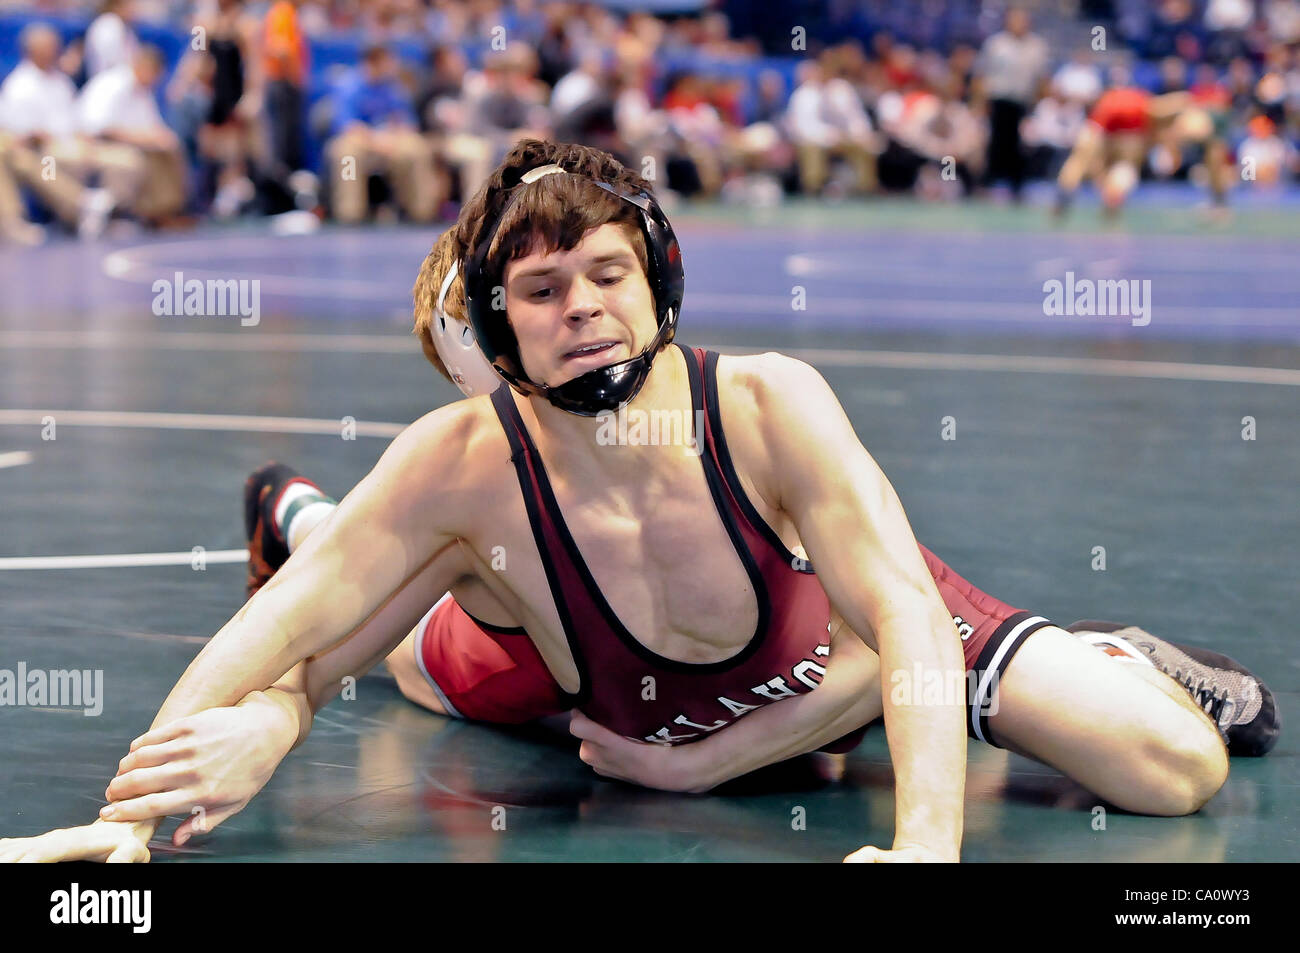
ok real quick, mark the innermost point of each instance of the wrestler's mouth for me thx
(593, 353)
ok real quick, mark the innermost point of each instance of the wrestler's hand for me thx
(649, 765)
(901, 854)
(101, 841)
(208, 765)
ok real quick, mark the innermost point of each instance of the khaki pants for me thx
(402, 155)
(149, 183)
(56, 183)
(815, 163)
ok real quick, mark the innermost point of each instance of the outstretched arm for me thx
(382, 536)
(854, 528)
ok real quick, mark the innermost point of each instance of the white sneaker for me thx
(96, 207)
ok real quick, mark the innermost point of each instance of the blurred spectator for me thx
(1078, 81)
(1011, 67)
(109, 39)
(826, 120)
(1226, 22)
(578, 87)
(39, 146)
(502, 104)
(284, 69)
(137, 155)
(228, 138)
(375, 134)
(442, 86)
(936, 145)
(1264, 153)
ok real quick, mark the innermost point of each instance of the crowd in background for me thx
(250, 110)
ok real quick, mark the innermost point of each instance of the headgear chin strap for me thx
(606, 388)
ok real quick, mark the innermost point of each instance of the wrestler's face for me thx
(579, 310)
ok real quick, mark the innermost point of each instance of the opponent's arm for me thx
(854, 528)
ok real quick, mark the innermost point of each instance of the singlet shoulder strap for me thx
(728, 468)
(545, 534)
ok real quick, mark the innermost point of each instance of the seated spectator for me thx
(374, 133)
(137, 155)
(578, 87)
(933, 141)
(696, 137)
(1050, 131)
(503, 104)
(825, 120)
(1265, 157)
(40, 149)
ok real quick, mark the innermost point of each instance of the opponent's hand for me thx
(649, 765)
(208, 765)
(903, 854)
(101, 841)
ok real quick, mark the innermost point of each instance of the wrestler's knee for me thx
(1178, 772)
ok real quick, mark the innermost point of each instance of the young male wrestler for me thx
(1124, 125)
(419, 524)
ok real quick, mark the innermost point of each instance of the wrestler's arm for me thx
(383, 534)
(853, 526)
(846, 699)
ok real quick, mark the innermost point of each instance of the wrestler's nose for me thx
(582, 301)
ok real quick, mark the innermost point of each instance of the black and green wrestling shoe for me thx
(1241, 705)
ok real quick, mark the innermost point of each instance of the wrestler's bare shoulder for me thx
(763, 390)
(456, 457)
(763, 400)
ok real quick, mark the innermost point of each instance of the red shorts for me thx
(489, 673)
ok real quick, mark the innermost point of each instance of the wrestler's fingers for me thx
(153, 755)
(163, 733)
(150, 806)
(141, 781)
(580, 726)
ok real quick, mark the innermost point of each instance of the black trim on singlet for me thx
(498, 629)
(728, 467)
(978, 708)
(507, 414)
(713, 479)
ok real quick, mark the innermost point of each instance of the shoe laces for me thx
(1212, 699)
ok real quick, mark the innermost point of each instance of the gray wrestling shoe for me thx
(1241, 705)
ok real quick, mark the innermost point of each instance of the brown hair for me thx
(555, 213)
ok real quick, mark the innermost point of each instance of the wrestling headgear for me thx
(605, 388)
(453, 339)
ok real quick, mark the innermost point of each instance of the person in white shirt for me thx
(825, 119)
(110, 41)
(40, 149)
(138, 156)
(1011, 66)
